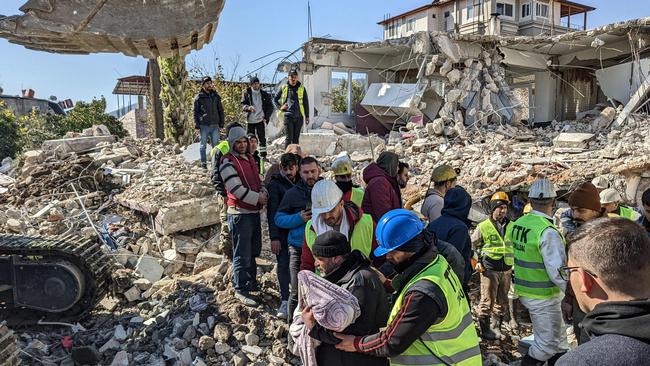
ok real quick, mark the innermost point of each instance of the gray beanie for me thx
(235, 134)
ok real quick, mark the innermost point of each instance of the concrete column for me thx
(545, 96)
(156, 106)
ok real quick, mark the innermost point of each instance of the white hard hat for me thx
(600, 182)
(542, 189)
(610, 195)
(325, 196)
(343, 155)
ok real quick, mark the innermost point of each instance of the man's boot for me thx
(513, 307)
(495, 323)
(551, 361)
(486, 332)
(529, 361)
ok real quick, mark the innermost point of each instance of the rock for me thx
(14, 225)
(275, 360)
(186, 245)
(206, 342)
(190, 333)
(120, 333)
(148, 268)
(605, 118)
(222, 332)
(221, 348)
(573, 140)
(136, 320)
(121, 359)
(252, 339)
(85, 355)
(185, 357)
(33, 157)
(109, 345)
(173, 261)
(132, 294)
(239, 359)
(252, 350)
(205, 260)
(142, 284)
(454, 76)
(187, 215)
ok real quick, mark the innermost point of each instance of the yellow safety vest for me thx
(360, 240)
(357, 195)
(285, 95)
(531, 279)
(493, 244)
(452, 341)
(222, 146)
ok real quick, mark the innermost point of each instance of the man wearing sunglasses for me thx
(609, 271)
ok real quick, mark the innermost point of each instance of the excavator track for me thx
(86, 255)
(8, 348)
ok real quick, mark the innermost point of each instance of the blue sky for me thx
(247, 30)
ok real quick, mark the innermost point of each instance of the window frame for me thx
(349, 72)
(530, 13)
(410, 24)
(539, 5)
(505, 6)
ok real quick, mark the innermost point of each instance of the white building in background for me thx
(507, 17)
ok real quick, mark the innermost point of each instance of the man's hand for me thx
(567, 310)
(308, 317)
(305, 215)
(307, 120)
(275, 247)
(284, 107)
(346, 344)
(251, 109)
(264, 197)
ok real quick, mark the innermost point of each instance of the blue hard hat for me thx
(396, 228)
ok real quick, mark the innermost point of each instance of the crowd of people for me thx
(410, 271)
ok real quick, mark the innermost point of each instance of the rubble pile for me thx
(158, 217)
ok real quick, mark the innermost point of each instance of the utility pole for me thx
(156, 105)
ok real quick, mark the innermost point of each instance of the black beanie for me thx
(496, 204)
(254, 80)
(205, 80)
(330, 244)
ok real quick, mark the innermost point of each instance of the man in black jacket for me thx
(350, 270)
(259, 106)
(293, 104)
(279, 184)
(610, 274)
(208, 116)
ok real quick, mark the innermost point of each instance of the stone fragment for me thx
(252, 350)
(222, 332)
(239, 359)
(120, 333)
(186, 245)
(142, 284)
(206, 260)
(252, 339)
(454, 76)
(121, 359)
(14, 225)
(605, 118)
(109, 345)
(190, 333)
(187, 215)
(85, 355)
(185, 356)
(33, 156)
(173, 261)
(221, 348)
(206, 342)
(148, 268)
(573, 140)
(132, 294)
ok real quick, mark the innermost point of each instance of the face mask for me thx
(344, 186)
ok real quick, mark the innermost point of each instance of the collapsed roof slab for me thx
(144, 28)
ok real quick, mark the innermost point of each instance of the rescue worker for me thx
(444, 178)
(495, 266)
(430, 322)
(342, 169)
(331, 212)
(293, 104)
(610, 199)
(539, 251)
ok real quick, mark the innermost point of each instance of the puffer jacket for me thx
(288, 215)
(208, 110)
(382, 192)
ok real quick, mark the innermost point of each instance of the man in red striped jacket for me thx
(245, 198)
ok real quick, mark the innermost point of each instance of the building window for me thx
(410, 25)
(542, 10)
(470, 9)
(525, 10)
(505, 9)
(347, 89)
(392, 30)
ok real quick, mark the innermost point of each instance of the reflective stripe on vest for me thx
(493, 244)
(361, 235)
(531, 279)
(285, 95)
(221, 146)
(357, 195)
(452, 341)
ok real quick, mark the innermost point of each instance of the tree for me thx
(85, 115)
(9, 133)
(339, 95)
(176, 96)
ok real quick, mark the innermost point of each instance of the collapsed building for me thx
(453, 92)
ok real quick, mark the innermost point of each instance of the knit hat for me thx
(205, 79)
(330, 244)
(389, 162)
(235, 134)
(496, 204)
(254, 80)
(585, 196)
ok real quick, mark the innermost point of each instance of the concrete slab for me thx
(187, 215)
(316, 142)
(149, 268)
(573, 140)
(76, 144)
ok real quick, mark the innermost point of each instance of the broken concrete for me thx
(573, 140)
(187, 215)
(77, 144)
